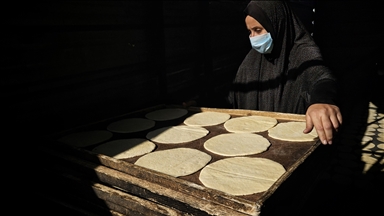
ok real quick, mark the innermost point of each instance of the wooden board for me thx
(183, 194)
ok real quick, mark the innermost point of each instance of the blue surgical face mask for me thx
(262, 43)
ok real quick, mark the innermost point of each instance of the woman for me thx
(284, 72)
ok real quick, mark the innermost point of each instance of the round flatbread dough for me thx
(131, 125)
(166, 114)
(249, 124)
(175, 162)
(241, 175)
(125, 148)
(292, 131)
(177, 134)
(237, 144)
(86, 138)
(207, 119)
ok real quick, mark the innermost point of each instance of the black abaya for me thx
(289, 79)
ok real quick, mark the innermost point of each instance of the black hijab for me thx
(290, 78)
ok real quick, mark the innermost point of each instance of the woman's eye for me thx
(256, 31)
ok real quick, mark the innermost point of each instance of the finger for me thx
(308, 124)
(340, 118)
(336, 122)
(328, 129)
(336, 119)
(318, 125)
(321, 134)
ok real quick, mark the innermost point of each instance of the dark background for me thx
(66, 63)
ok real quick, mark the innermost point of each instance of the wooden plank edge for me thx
(121, 201)
(243, 112)
(204, 200)
(67, 197)
(117, 201)
(179, 185)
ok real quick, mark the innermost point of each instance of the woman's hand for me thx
(325, 118)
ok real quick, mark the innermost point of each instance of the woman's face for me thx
(254, 27)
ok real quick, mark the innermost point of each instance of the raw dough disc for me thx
(250, 124)
(207, 119)
(241, 175)
(291, 131)
(131, 125)
(175, 162)
(237, 144)
(86, 138)
(125, 148)
(177, 134)
(166, 114)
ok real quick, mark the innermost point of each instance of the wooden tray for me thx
(126, 187)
